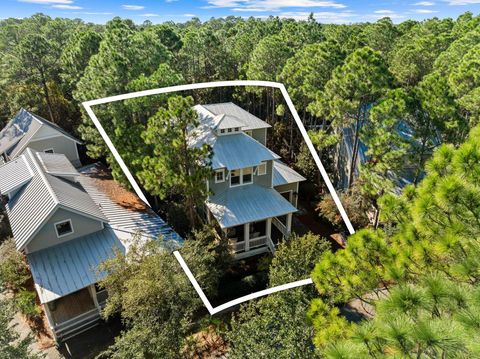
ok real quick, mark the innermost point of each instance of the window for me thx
(235, 177)
(248, 132)
(222, 130)
(237, 129)
(247, 175)
(241, 176)
(229, 130)
(64, 228)
(219, 176)
(49, 150)
(262, 169)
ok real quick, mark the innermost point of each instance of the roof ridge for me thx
(43, 177)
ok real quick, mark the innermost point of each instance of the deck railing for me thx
(76, 324)
(253, 243)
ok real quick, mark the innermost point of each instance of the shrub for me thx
(26, 304)
(14, 271)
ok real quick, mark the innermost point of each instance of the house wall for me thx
(60, 144)
(265, 180)
(47, 236)
(289, 187)
(260, 135)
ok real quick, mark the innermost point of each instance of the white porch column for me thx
(269, 228)
(93, 293)
(51, 323)
(246, 236)
(289, 223)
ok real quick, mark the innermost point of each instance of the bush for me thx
(14, 271)
(26, 304)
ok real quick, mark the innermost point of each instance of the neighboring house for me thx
(27, 130)
(251, 189)
(67, 224)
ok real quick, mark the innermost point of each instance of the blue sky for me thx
(326, 11)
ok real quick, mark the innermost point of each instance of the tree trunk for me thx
(47, 96)
(355, 150)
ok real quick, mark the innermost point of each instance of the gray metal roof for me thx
(282, 174)
(14, 175)
(57, 164)
(249, 203)
(239, 151)
(39, 198)
(72, 265)
(20, 130)
(121, 218)
(250, 121)
(228, 121)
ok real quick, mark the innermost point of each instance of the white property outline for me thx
(88, 104)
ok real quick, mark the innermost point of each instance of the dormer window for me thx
(229, 130)
(262, 169)
(237, 129)
(220, 176)
(222, 130)
(63, 228)
(241, 176)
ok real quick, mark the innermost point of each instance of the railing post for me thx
(246, 236)
(269, 228)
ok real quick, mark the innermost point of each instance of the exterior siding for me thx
(260, 135)
(289, 187)
(47, 236)
(265, 180)
(59, 144)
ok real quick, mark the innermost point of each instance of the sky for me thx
(157, 11)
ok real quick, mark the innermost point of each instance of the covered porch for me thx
(246, 215)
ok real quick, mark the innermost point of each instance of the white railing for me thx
(281, 227)
(67, 327)
(237, 246)
(253, 243)
(258, 242)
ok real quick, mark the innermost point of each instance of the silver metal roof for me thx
(249, 203)
(282, 174)
(250, 121)
(19, 131)
(121, 218)
(228, 121)
(39, 198)
(56, 164)
(14, 175)
(70, 266)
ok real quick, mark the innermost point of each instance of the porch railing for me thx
(76, 324)
(258, 242)
(253, 243)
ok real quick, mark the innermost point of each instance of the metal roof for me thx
(39, 198)
(14, 175)
(250, 121)
(228, 121)
(72, 265)
(282, 174)
(248, 203)
(121, 218)
(239, 151)
(57, 164)
(20, 130)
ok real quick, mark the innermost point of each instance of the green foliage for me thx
(11, 345)
(14, 271)
(25, 302)
(154, 298)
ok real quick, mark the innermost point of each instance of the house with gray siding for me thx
(67, 225)
(27, 130)
(252, 189)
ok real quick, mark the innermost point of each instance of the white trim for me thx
(61, 222)
(48, 149)
(241, 177)
(223, 175)
(258, 169)
(290, 196)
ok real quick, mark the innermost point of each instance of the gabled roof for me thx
(250, 121)
(282, 174)
(56, 164)
(38, 198)
(20, 130)
(227, 121)
(245, 204)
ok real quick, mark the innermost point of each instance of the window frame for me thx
(241, 183)
(69, 220)
(262, 165)
(222, 171)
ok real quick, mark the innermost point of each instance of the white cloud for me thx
(149, 15)
(463, 2)
(47, 2)
(271, 5)
(384, 12)
(424, 3)
(67, 7)
(133, 7)
(189, 15)
(424, 11)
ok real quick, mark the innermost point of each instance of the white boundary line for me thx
(88, 104)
